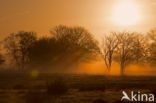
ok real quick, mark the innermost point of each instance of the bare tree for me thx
(129, 49)
(139, 49)
(17, 46)
(109, 45)
(151, 35)
(77, 41)
(67, 47)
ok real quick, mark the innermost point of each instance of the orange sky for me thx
(41, 15)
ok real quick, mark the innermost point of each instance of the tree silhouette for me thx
(76, 40)
(70, 46)
(67, 46)
(18, 45)
(151, 35)
(109, 46)
(129, 50)
(139, 49)
(44, 52)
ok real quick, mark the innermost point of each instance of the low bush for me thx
(57, 88)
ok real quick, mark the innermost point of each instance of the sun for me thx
(126, 13)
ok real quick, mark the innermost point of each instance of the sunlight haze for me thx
(126, 13)
(96, 16)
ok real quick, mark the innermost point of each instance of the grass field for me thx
(66, 88)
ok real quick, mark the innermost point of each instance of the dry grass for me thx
(70, 88)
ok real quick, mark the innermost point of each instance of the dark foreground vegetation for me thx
(63, 88)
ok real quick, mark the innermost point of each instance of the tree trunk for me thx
(122, 69)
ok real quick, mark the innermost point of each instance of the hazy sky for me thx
(94, 15)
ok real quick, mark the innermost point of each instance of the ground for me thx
(67, 88)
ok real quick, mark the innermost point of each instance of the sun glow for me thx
(126, 13)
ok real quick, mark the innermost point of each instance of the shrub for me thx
(57, 88)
